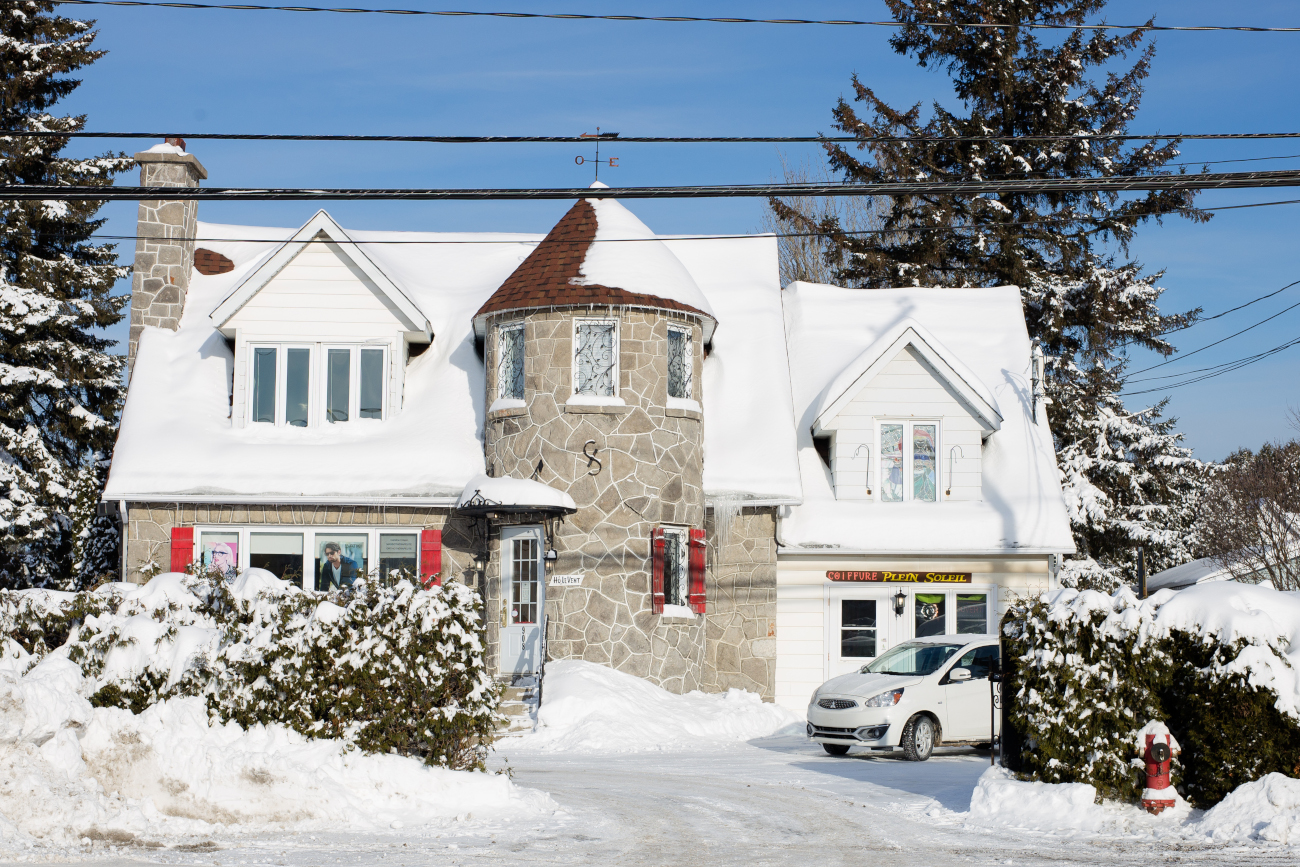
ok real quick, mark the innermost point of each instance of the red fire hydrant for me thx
(1158, 750)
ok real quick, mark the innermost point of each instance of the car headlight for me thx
(885, 699)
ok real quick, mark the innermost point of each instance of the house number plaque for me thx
(909, 577)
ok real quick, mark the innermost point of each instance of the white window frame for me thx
(502, 330)
(354, 381)
(281, 380)
(573, 355)
(688, 362)
(877, 469)
(309, 534)
(684, 566)
(951, 592)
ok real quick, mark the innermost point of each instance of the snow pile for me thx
(69, 771)
(1001, 800)
(1267, 809)
(591, 708)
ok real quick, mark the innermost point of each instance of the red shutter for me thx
(696, 597)
(182, 548)
(657, 570)
(431, 557)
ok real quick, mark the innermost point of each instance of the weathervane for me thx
(612, 162)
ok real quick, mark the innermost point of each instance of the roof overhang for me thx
(485, 496)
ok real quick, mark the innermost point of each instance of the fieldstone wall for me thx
(740, 652)
(647, 471)
(164, 251)
(149, 527)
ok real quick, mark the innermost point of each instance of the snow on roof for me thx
(514, 493)
(165, 148)
(1195, 572)
(176, 440)
(1022, 509)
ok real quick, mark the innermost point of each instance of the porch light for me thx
(900, 603)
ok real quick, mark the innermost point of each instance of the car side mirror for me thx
(959, 674)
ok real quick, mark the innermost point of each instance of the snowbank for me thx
(590, 708)
(69, 772)
(1266, 810)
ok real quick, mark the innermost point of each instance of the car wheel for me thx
(836, 749)
(918, 738)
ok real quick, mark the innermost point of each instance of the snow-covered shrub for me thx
(385, 668)
(1220, 664)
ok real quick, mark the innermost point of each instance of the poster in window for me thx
(340, 560)
(219, 554)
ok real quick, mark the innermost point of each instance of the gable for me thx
(907, 373)
(321, 260)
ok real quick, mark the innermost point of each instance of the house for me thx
(640, 449)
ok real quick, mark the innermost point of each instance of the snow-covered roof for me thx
(514, 494)
(176, 441)
(982, 332)
(1194, 572)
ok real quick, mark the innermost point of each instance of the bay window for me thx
(909, 469)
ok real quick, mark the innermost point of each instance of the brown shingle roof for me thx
(544, 278)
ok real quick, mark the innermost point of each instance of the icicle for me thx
(725, 510)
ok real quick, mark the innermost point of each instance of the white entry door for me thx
(858, 628)
(524, 583)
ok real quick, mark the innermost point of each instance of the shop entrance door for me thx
(524, 585)
(858, 629)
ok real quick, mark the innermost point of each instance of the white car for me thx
(915, 696)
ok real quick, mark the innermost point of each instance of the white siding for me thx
(319, 297)
(907, 388)
(800, 643)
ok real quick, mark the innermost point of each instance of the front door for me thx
(524, 585)
(857, 623)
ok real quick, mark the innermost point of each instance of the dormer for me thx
(321, 334)
(906, 422)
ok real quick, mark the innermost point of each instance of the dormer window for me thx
(510, 362)
(289, 389)
(595, 357)
(908, 465)
(679, 362)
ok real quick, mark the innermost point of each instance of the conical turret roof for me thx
(600, 254)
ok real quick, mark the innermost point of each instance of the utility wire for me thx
(1185, 356)
(645, 139)
(1219, 370)
(680, 19)
(1035, 186)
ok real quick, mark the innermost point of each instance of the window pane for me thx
(675, 591)
(264, 385)
(219, 552)
(594, 361)
(858, 627)
(336, 386)
(510, 363)
(923, 479)
(891, 463)
(397, 551)
(297, 377)
(931, 615)
(340, 559)
(372, 383)
(280, 553)
(679, 363)
(972, 613)
(524, 580)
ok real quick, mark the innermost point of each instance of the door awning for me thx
(484, 495)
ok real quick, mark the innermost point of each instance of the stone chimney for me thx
(164, 251)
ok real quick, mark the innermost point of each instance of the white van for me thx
(916, 696)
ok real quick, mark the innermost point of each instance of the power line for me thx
(646, 139)
(1188, 355)
(683, 19)
(1218, 370)
(1035, 186)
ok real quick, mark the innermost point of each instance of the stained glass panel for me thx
(510, 363)
(594, 359)
(891, 463)
(924, 485)
(679, 363)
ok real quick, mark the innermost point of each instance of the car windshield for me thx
(914, 658)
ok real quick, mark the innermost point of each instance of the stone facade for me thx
(740, 650)
(164, 251)
(647, 472)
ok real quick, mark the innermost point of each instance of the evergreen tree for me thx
(60, 390)
(1125, 474)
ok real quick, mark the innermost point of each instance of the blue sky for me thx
(325, 73)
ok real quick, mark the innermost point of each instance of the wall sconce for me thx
(957, 449)
(900, 603)
(551, 555)
(855, 454)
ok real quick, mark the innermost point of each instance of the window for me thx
(278, 553)
(909, 469)
(281, 385)
(857, 627)
(398, 552)
(352, 384)
(219, 552)
(264, 384)
(981, 661)
(340, 559)
(338, 373)
(372, 384)
(510, 362)
(679, 362)
(972, 613)
(297, 386)
(595, 357)
(675, 567)
(931, 614)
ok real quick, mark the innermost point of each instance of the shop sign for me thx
(574, 580)
(899, 577)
